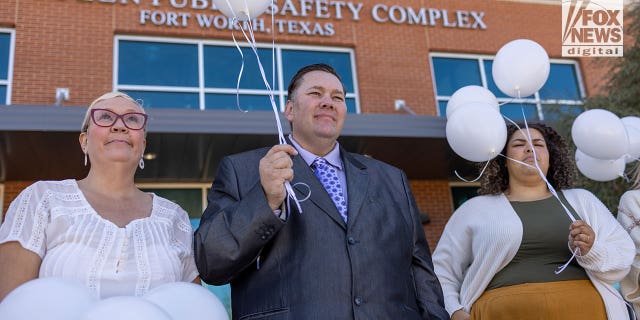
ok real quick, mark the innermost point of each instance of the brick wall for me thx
(11, 191)
(70, 44)
(433, 198)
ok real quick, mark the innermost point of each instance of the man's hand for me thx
(275, 168)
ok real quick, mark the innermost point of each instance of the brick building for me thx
(178, 56)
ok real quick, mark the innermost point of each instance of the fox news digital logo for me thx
(592, 29)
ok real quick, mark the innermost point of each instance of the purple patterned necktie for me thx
(328, 176)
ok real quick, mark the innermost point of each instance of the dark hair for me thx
(495, 179)
(297, 78)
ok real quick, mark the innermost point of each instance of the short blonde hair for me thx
(635, 179)
(106, 96)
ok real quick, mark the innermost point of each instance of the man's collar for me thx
(333, 157)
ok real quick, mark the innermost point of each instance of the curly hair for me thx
(495, 179)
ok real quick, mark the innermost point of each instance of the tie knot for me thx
(320, 162)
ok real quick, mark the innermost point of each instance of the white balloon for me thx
(242, 9)
(471, 94)
(600, 134)
(520, 68)
(631, 122)
(633, 152)
(47, 298)
(597, 169)
(179, 298)
(125, 308)
(476, 133)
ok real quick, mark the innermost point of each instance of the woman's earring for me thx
(85, 159)
(141, 164)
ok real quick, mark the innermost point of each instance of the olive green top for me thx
(543, 248)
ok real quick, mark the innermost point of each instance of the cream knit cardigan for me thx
(484, 234)
(629, 217)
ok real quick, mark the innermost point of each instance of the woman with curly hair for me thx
(499, 253)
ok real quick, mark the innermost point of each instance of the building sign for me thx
(592, 28)
(291, 16)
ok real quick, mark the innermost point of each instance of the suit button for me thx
(358, 301)
(263, 237)
(351, 240)
(271, 229)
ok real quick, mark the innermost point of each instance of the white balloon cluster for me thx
(242, 10)
(605, 143)
(64, 299)
(475, 129)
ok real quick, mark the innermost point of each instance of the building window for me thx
(562, 93)
(7, 40)
(461, 192)
(199, 74)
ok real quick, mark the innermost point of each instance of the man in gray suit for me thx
(356, 251)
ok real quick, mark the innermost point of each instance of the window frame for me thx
(460, 184)
(480, 59)
(159, 185)
(9, 81)
(279, 95)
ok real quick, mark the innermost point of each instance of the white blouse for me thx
(55, 220)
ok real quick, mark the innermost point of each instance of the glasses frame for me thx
(118, 116)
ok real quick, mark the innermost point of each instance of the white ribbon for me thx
(250, 37)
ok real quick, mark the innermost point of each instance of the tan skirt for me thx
(559, 300)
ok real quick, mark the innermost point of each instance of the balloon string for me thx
(537, 165)
(308, 188)
(250, 37)
(544, 178)
(252, 43)
(506, 102)
(477, 178)
(564, 266)
(273, 47)
(233, 20)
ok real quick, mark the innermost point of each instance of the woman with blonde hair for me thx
(101, 230)
(629, 218)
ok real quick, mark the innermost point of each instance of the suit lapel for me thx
(302, 173)
(357, 185)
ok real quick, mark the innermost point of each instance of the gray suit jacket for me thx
(313, 265)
